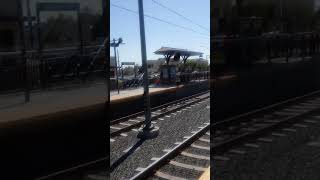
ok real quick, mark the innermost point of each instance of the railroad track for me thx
(119, 126)
(97, 169)
(235, 136)
(188, 160)
(93, 170)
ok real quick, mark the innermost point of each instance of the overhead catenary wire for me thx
(175, 12)
(161, 20)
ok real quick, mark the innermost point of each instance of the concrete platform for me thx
(124, 94)
(131, 101)
(13, 107)
(45, 103)
(205, 175)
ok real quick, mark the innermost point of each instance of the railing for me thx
(53, 66)
(246, 51)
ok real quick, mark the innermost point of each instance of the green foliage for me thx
(194, 66)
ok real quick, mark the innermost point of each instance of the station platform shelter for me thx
(173, 58)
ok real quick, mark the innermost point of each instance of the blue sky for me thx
(126, 25)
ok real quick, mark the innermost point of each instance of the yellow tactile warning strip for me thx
(205, 175)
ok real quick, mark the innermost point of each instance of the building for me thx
(154, 65)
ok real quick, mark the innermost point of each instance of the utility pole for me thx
(148, 130)
(115, 44)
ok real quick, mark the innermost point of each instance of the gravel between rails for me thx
(172, 130)
(301, 163)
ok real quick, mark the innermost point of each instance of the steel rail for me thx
(82, 167)
(125, 118)
(150, 170)
(234, 119)
(225, 145)
(115, 133)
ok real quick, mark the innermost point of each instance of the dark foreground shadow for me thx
(126, 155)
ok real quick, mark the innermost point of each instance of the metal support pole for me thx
(144, 67)
(115, 58)
(23, 52)
(148, 131)
(30, 24)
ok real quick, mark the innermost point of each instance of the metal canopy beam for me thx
(174, 51)
(58, 6)
(9, 18)
(169, 52)
(184, 58)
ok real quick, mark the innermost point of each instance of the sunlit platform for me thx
(205, 175)
(123, 94)
(137, 92)
(46, 102)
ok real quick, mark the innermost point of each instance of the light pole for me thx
(148, 130)
(281, 15)
(116, 44)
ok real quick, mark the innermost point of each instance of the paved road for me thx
(128, 153)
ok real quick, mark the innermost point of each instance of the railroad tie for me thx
(251, 145)
(271, 121)
(314, 144)
(166, 150)
(311, 121)
(289, 130)
(267, 140)
(300, 125)
(187, 166)
(132, 120)
(125, 124)
(221, 158)
(235, 151)
(200, 147)
(117, 128)
(154, 159)
(167, 176)
(278, 134)
(195, 156)
(281, 113)
(204, 140)
(250, 129)
(140, 169)
(96, 177)
(123, 134)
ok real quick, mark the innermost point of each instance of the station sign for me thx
(128, 63)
